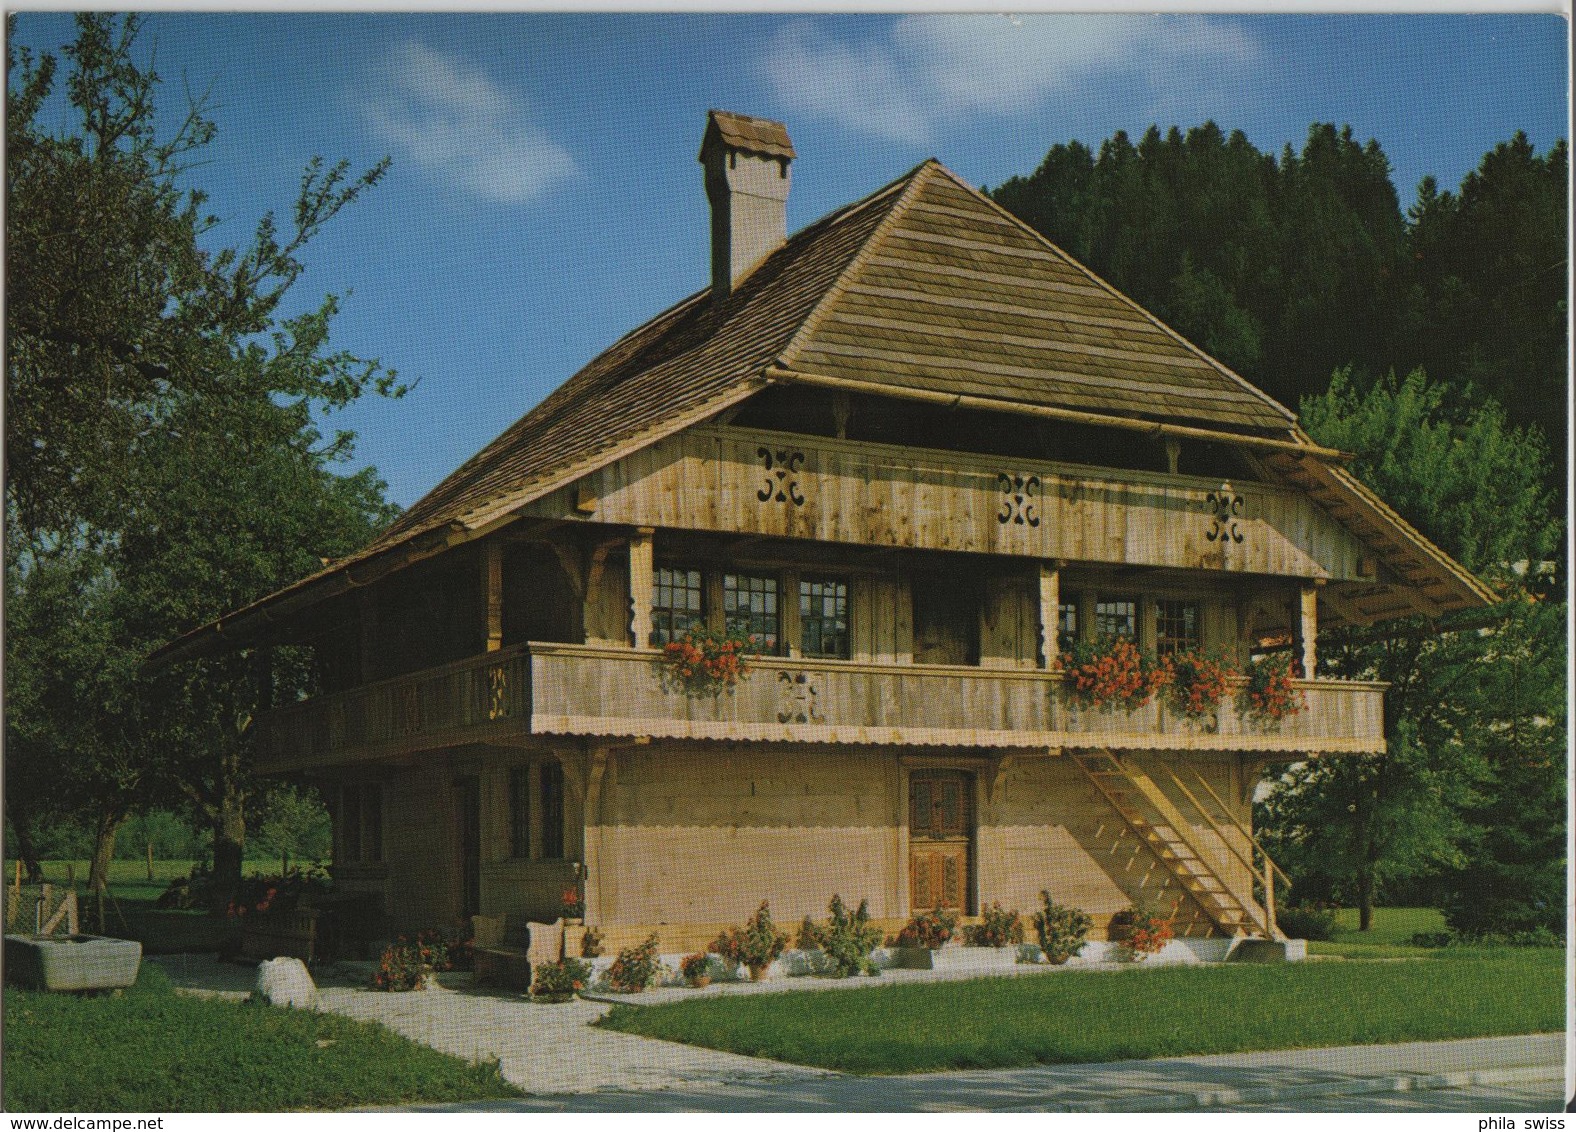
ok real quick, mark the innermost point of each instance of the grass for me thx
(152, 1050)
(1389, 938)
(1117, 1015)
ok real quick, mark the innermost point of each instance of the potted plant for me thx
(572, 905)
(1061, 930)
(1271, 693)
(704, 663)
(755, 946)
(1111, 672)
(635, 968)
(409, 964)
(997, 928)
(1196, 683)
(696, 969)
(847, 938)
(560, 981)
(918, 941)
(1143, 932)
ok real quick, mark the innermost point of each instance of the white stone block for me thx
(285, 982)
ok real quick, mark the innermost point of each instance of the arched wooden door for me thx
(940, 839)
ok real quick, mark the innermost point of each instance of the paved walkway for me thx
(553, 1053)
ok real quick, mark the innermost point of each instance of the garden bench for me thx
(508, 947)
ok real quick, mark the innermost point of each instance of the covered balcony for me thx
(536, 693)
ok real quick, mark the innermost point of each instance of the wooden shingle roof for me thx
(925, 287)
(740, 131)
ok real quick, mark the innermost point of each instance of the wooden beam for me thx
(1308, 629)
(1050, 613)
(642, 584)
(1101, 420)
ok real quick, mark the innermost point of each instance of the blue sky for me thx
(545, 195)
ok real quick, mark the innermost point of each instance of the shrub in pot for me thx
(847, 938)
(997, 928)
(1061, 930)
(755, 945)
(635, 968)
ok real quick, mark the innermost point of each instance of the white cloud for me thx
(932, 70)
(449, 118)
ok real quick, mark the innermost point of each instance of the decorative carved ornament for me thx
(782, 466)
(1018, 503)
(1226, 508)
(796, 694)
(497, 692)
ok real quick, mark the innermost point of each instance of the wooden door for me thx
(940, 836)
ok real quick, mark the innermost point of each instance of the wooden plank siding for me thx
(583, 690)
(714, 478)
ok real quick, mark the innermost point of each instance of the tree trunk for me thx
(229, 842)
(1365, 900)
(26, 847)
(109, 823)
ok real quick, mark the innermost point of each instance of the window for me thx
(1066, 626)
(749, 608)
(361, 822)
(520, 811)
(823, 618)
(1177, 627)
(676, 604)
(1116, 617)
(552, 810)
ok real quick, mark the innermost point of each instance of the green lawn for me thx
(1389, 938)
(152, 1050)
(1139, 1013)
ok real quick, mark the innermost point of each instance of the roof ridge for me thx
(914, 178)
(1214, 362)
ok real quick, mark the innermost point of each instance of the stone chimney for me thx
(746, 162)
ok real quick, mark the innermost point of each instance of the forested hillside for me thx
(1288, 267)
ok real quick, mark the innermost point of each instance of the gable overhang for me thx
(250, 624)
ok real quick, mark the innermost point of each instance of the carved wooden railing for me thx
(465, 701)
(555, 689)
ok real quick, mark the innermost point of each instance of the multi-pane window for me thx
(823, 618)
(552, 810)
(1116, 617)
(520, 811)
(1177, 627)
(1066, 626)
(749, 607)
(676, 604)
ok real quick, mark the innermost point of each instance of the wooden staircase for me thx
(1151, 814)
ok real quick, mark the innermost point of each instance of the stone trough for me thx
(71, 962)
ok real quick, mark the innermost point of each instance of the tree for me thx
(113, 303)
(245, 505)
(1489, 270)
(1475, 701)
(162, 465)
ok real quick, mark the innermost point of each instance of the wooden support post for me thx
(1269, 898)
(1050, 613)
(492, 595)
(150, 860)
(788, 614)
(1308, 629)
(595, 768)
(641, 586)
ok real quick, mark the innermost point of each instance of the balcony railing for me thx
(576, 690)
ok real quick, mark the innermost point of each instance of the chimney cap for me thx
(741, 131)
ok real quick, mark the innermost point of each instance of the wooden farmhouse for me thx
(914, 453)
